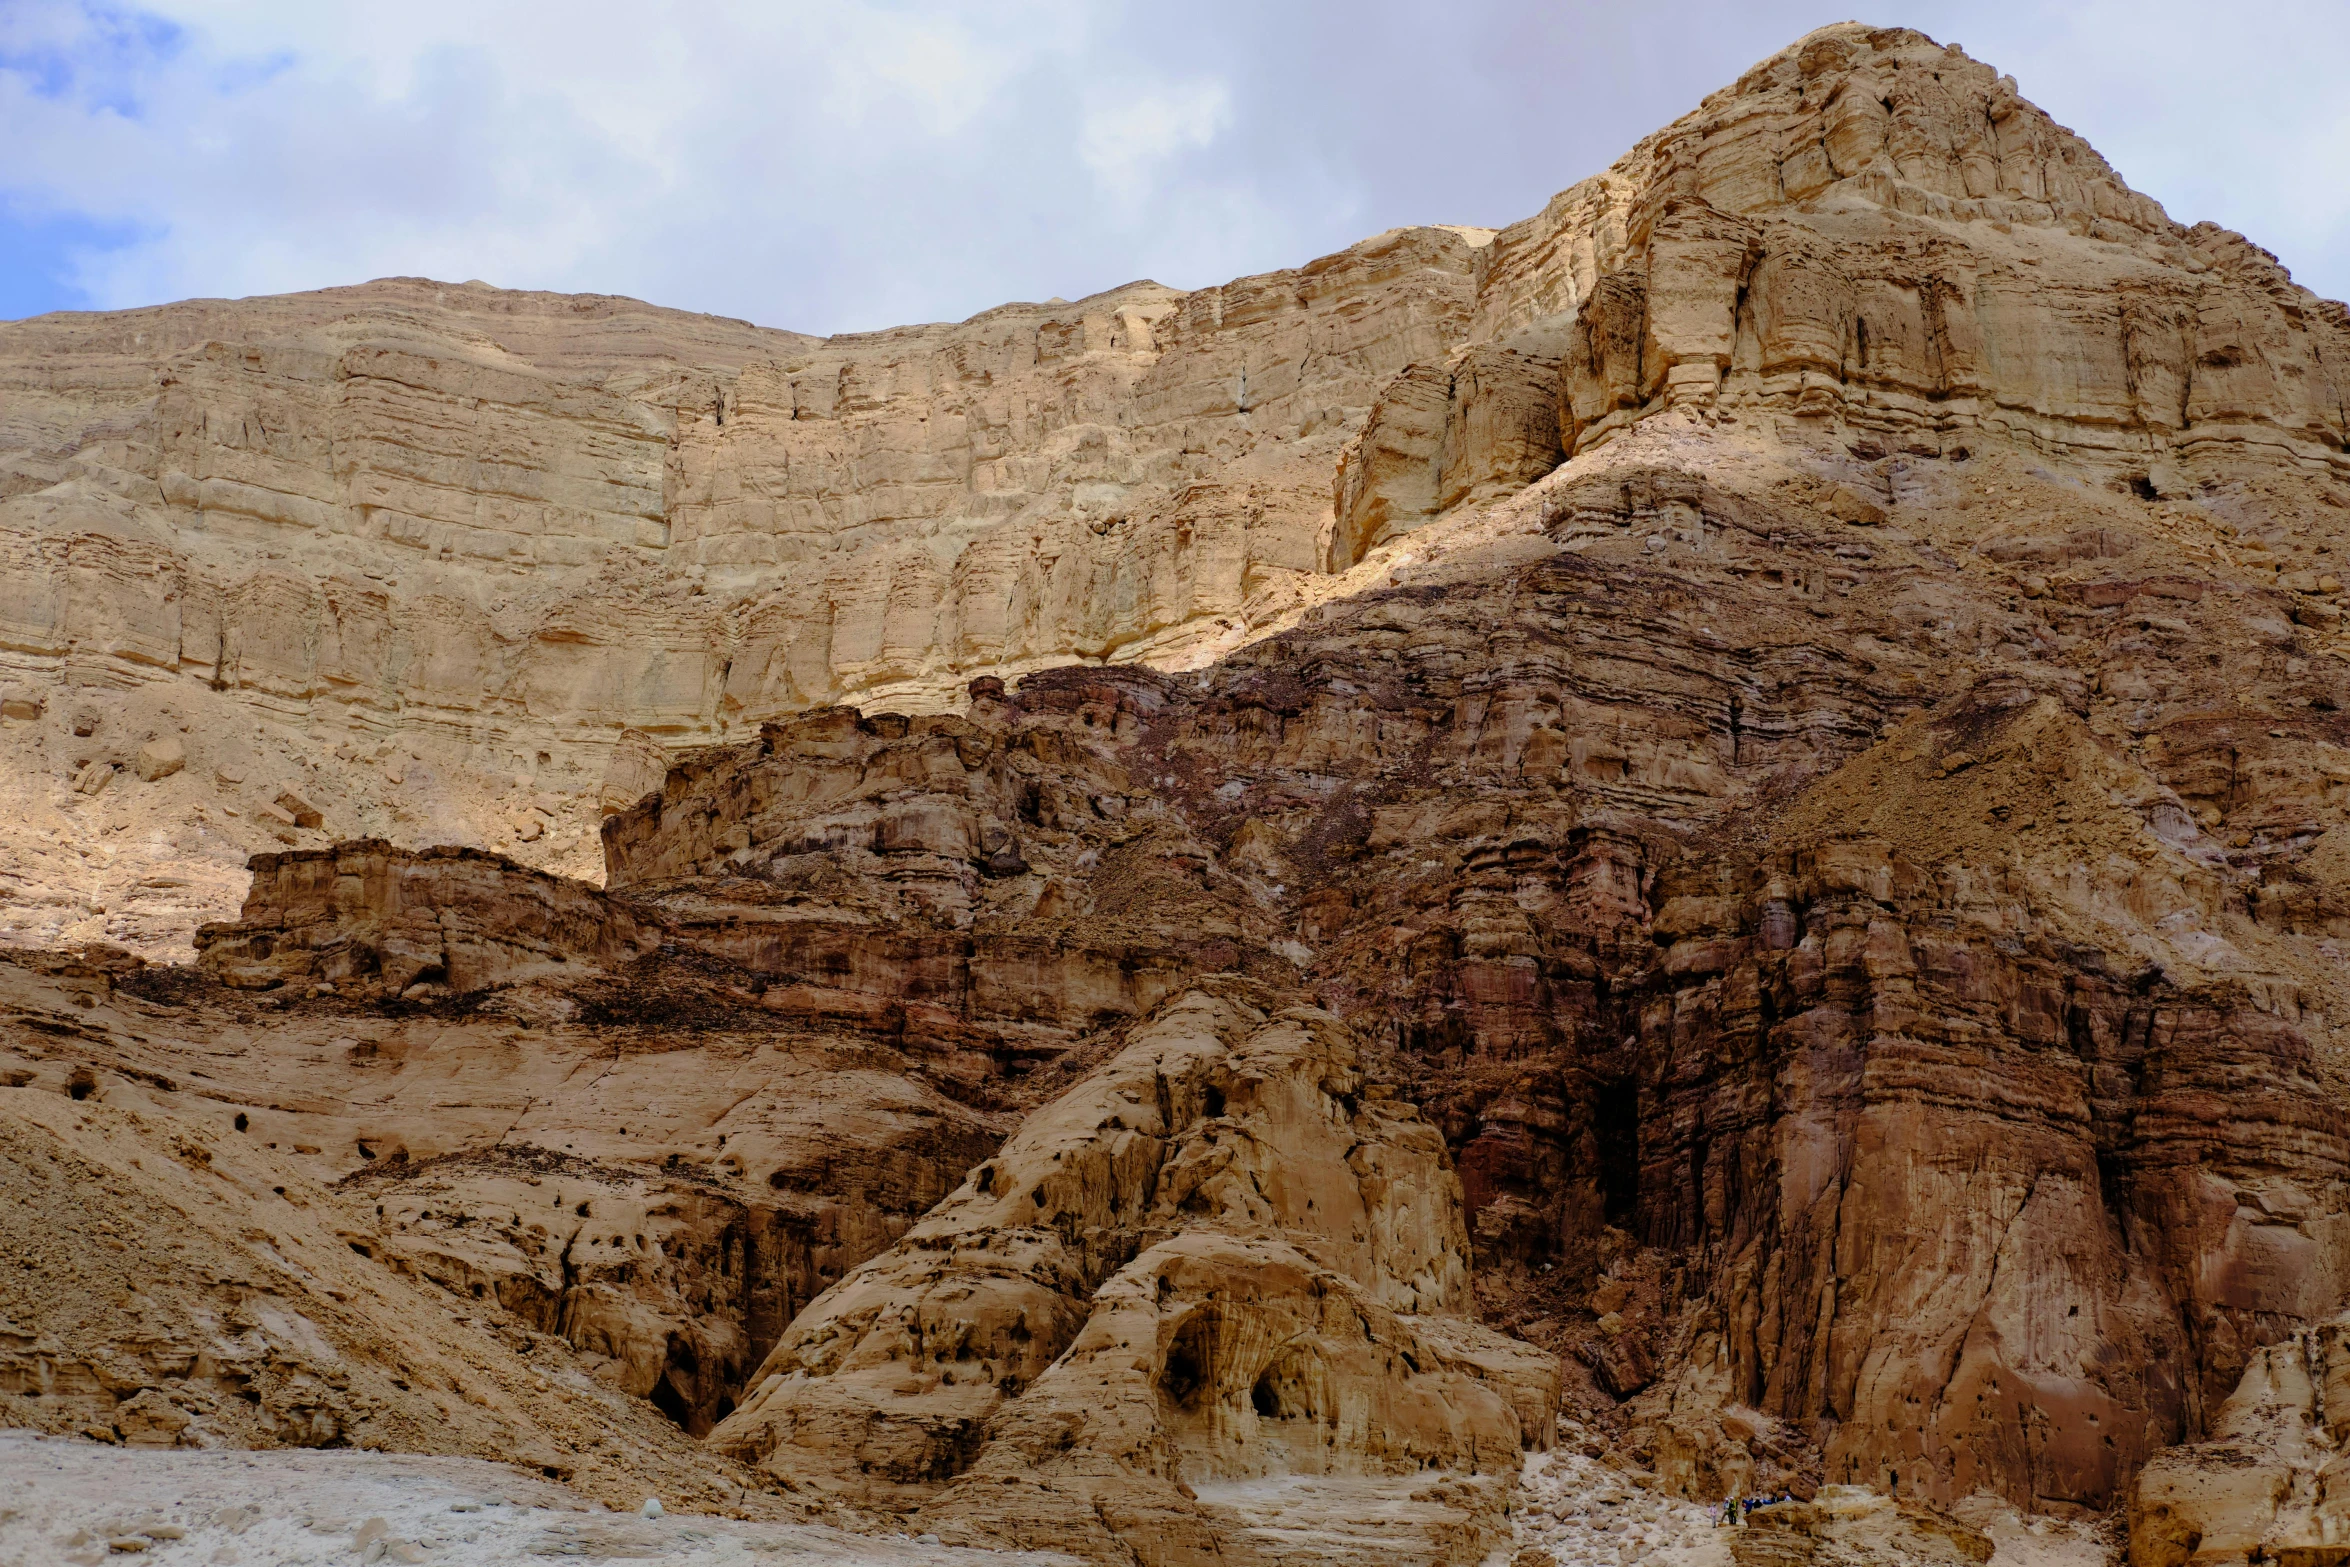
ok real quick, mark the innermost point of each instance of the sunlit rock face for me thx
(1166, 927)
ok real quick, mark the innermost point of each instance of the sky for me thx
(852, 164)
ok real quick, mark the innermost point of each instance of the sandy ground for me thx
(1586, 1514)
(80, 1503)
(1583, 1513)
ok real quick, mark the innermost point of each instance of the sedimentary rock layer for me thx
(1745, 780)
(428, 551)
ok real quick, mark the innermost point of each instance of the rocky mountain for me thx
(1707, 830)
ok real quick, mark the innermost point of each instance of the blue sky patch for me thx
(40, 256)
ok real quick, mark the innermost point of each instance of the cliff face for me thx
(1743, 781)
(422, 554)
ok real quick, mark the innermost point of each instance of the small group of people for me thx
(1732, 1513)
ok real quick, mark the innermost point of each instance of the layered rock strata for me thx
(980, 890)
(1984, 964)
(1766, 747)
(427, 551)
(1214, 1258)
(456, 1227)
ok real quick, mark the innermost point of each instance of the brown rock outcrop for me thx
(382, 918)
(695, 526)
(1747, 780)
(604, 1209)
(1208, 1260)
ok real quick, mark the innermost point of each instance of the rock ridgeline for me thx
(1719, 826)
(422, 554)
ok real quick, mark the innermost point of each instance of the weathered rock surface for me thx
(431, 550)
(1745, 780)
(262, 1225)
(69, 1500)
(1209, 1260)
(372, 917)
(2265, 1483)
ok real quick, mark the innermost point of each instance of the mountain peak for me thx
(1745, 777)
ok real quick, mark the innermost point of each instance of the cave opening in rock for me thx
(1284, 1390)
(667, 1399)
(1191, 1358)
(1615, 1134)
(672, 1391)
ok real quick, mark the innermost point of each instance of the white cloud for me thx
(1131, 131)
(832, 164)
(597, 145)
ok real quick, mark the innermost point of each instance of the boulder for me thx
(160, 758)
(298, 810)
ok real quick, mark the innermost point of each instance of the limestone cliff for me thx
(1744, 782)
(421, 554)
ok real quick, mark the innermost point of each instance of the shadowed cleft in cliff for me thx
(1718, 822)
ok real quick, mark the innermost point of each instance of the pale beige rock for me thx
(298, 810)
(635, 769)
(701, 525)
(1307, 1231)
(697, 525)
(160, 758)
(1790, 702)
(2261, 1486)
(1254, 1364)
(490, 1239)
